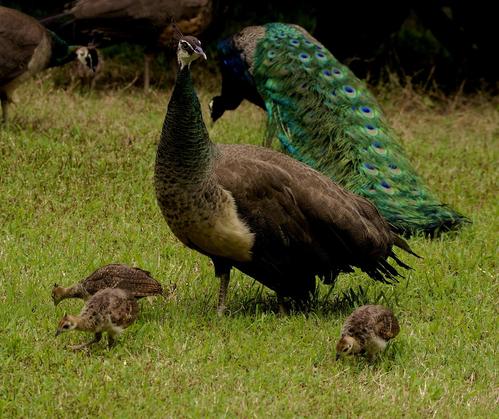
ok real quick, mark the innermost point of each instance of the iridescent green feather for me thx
(326, 117)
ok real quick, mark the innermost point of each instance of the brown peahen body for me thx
(27, 48)
(257, 210)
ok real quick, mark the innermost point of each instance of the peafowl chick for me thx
(109, 310)
(27, 48)
(324, 116)
(367, 331)
(137, 282)
(258, 210)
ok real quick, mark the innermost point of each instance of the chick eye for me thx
(345, 350)
(66, 326)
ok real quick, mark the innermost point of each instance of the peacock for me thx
(326, 117)
(27, 48)
(268, 215)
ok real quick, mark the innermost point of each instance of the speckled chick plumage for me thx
(137, 282)
(367, 331)
(110, 310)
(324, 116)
(260, 211)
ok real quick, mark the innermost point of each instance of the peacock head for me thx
(88, 57)
(66, 324)
(347, 345)
(188, 49)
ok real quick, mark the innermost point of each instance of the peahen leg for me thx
(148, 57)
(5, 106)
(222, 271)
(96, 339)
(222, 294)
(283, 311)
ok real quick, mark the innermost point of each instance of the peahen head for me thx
(188, 49)
(88, 57)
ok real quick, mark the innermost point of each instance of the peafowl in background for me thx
(326, 117)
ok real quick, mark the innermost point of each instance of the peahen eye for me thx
(66, 326)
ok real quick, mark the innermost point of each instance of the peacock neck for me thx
(62, 53)
(185, 151)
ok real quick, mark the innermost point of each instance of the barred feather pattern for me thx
(324, 116)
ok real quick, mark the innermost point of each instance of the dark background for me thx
(449, 44)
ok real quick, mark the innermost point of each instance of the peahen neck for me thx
(185, 151)
(62, 53)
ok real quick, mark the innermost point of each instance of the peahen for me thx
(27, 48)
(325, 117)
(144, 22)
(258, 210)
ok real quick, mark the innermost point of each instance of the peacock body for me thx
(324, 116)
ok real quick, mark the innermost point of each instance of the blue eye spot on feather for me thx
(307, 42)
(326, 73)
(281, 35)
(378, 148)
(319, 47)
(370, 168)
(336, 72)
(386, 187)
(394, 169)
(367, 112)
(271, 54)
(321, 56)
(371, 129)
(304, 57)
(294, 42)
(349, 91)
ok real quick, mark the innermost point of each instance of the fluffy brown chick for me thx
(109, 310)
(138, 282)
(367, 331)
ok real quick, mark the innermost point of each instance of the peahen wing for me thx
(304, 222)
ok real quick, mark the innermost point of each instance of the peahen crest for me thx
(324, 116)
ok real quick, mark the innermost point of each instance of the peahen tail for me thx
(325, 117)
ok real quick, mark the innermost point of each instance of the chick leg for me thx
(96, 339)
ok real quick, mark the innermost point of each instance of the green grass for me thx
(76, 193)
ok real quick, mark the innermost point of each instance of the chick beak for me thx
(337, 357)
(58, 332)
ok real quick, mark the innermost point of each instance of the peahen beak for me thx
(58, 332)
(200, 52)
(337, 357)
